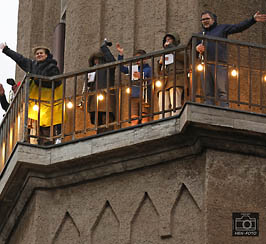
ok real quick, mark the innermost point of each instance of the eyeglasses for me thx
(205, 19)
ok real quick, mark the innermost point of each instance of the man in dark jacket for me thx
(211, 28)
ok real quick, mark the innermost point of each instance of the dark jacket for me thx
(4, 102)
(169, 69)
(104, 55)
(136, 87)
(48, 67)
(223, 31)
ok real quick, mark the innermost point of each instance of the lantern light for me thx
(200, 67)
(128, 90)
(158, 83)
(100, 97)
(69, 105)
(234, 72)
(35, 107)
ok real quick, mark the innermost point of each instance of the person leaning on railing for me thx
(43, 65)
(212, 28)
(170, 41)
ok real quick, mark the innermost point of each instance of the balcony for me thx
(69, 105)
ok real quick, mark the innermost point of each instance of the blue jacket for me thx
(147, 74)
(223, 31)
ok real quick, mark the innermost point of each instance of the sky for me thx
(8, 34)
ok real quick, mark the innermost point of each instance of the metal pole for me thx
(27, 91)
(193, 54)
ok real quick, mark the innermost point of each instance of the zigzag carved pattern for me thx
(105, 230)
(145, 223)
(67, 231)
(144, 226)
(185, 219)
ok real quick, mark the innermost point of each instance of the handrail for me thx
(108, 65)
(236, 42)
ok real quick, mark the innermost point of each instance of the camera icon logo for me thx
(245, 224)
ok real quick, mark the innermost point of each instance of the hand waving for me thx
(119, 49)
(2, 90)
(2, 45)
(260, 17)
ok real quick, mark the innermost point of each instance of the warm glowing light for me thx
(200, 67)
(18, 122)
(234, 73)
(35, 107)
(11, 137)
(100, 97)
(69, 105)
(3, 152)
(128, 90)
(265, 78)
(158, 83)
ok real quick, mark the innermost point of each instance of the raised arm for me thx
(24, 63)
(108, 56)
(120, 50)
(236, 28)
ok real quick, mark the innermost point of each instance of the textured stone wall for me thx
(184, 201)
(236, 183)
(161, 203)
